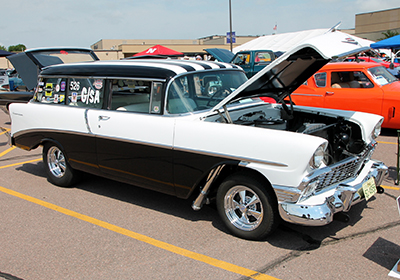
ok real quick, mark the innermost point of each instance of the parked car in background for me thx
(366, 87)
(251, 61)
(153, 124)
(371, 59)
(21, 84)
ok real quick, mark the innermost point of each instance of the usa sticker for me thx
(74, 97)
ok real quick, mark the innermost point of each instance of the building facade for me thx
(371, 25)
(117, 49)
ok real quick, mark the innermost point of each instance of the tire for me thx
(58, 170)
(246, 207)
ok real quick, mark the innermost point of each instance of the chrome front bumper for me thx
(339, 199)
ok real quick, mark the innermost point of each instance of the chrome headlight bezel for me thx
(319, 156)
(377, 130)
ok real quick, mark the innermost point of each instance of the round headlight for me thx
(377, 130)
(319, 157)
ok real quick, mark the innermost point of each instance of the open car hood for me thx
(221, 55)
(29, 63)
(285, 74)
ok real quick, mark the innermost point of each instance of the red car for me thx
(372, 59)
(366, 87)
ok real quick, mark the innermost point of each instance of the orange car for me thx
(365, 86)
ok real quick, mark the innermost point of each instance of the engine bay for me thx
(344, 137)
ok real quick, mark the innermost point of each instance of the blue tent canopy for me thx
(389, 43)
(5, 53)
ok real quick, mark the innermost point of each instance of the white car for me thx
(199, 130)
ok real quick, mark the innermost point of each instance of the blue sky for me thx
(83, 22)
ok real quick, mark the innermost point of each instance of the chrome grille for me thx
(343, 170)
(339, 173)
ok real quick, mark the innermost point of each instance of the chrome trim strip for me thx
(304, 94)
(87, 121)
(102, 77)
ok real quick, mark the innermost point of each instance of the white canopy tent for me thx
(286, 41)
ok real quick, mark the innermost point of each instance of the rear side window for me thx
(350, 79)
(320, 79)
(263, 57)
(131, 95)
(51, 90)
(85, 92)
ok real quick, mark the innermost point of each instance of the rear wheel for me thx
(58, 170)
(246, 207)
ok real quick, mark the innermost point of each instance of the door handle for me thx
(330, 92)
(104, 118)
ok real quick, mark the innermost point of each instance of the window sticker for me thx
(74, 98)
(63, 85)
(98, 84)
(88, 95)
(57, 87)
(55, 99)
(49, 89)
(74, 85)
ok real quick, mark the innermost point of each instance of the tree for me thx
(388, 34)
(17, 48)
(3, 48)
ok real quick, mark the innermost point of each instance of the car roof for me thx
(138, 68)
(349, 65)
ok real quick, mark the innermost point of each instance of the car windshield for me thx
(51, 57)
(382, 75)
(202, 90)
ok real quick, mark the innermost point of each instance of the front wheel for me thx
(58, 170)
(246, 207)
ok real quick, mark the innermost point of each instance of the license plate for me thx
(369, 188)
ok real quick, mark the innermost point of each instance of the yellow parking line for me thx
(6, 151)
(20, 163)
(382, 142)
(4, 130)
(392, 188)
(140, 237)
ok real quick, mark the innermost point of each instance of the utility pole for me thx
(230, 23)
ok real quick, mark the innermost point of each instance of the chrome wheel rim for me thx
(243, 208)
(56, 162)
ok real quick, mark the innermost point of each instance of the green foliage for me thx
(17, 48)
(3, 48)
(388, 34)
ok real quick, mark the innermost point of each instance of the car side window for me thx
(132, 96)
(320, 79)
(51, 90)
(85, 92)
(350, 79)
(242, 59)
(262, 57)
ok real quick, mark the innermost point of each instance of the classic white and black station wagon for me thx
(200, 130)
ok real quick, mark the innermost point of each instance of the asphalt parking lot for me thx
(103, 229)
